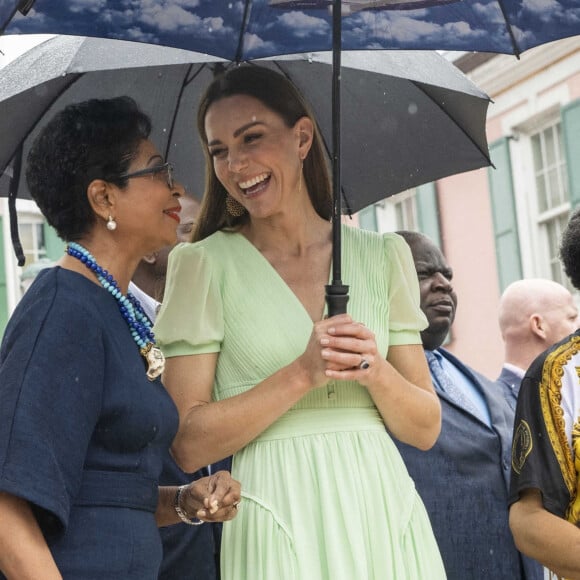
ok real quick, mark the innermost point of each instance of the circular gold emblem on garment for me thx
(522, 446)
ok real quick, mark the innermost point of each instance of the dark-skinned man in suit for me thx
(463, 479)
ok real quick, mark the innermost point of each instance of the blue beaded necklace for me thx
(139, 324)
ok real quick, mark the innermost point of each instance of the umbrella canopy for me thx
(411, 117)
(247, 29)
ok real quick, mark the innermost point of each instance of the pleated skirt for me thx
(326, 496)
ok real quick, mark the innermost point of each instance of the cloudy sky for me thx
(249, 29)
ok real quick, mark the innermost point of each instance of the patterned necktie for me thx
(445, 383)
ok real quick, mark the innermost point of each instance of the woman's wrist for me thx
(298, 377)
(183, 515)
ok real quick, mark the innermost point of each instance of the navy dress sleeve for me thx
(51, 383)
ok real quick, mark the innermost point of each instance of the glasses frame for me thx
(153, 171)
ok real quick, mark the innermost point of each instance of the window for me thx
(552, 195)
(367, 218)
(32, 239)
(405, 205)
(549, 168)
(398, 212)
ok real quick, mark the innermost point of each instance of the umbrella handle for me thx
(336, 298)
(12, 193)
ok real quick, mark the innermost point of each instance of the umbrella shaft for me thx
(336, 158)
(337, 292)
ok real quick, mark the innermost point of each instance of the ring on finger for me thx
(364, 364)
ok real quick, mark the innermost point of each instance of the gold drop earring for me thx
(234, 207)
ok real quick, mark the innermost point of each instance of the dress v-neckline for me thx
(283, 282)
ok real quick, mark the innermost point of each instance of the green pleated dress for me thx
(326, 493)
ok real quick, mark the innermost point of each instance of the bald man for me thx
(534, 314)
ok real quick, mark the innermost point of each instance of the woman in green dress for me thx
(308, 405)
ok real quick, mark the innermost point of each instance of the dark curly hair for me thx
(570, 249)
(95, 139)
(280, 95)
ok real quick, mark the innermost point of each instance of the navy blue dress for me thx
(83, 432)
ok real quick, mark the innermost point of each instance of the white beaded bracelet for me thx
(182, 515)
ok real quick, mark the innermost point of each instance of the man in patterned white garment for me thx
(545, 504)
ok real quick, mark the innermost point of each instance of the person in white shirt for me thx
(148, 284)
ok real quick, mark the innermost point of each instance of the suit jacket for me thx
(509, 383)
(463, 481)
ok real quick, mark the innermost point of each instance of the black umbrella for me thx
(412, 116)
(259, 28)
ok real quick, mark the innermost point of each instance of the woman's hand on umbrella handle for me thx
(312, 364)
(213, 499)
(339, 348)
(351, 352)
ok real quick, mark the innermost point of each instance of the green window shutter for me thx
(54, 245)
(367, 219)
(571, 138)
(507, 244)
(3, 291)
(428, 212)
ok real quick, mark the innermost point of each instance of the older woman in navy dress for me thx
(84, 418)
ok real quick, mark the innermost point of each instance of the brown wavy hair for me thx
(279, 95)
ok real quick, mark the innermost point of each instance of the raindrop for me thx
(413, 108)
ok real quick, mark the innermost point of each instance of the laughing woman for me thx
(84, 418)
(258, 371)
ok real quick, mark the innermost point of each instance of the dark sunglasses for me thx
(166, 169)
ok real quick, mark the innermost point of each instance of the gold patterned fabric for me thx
(547, 431)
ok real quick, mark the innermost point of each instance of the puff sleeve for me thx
(190, 320)
(406, 319)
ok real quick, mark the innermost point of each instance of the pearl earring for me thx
(111, 224)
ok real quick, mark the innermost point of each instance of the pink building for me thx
(500, 225)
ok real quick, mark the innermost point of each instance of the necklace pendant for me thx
(155, 360)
